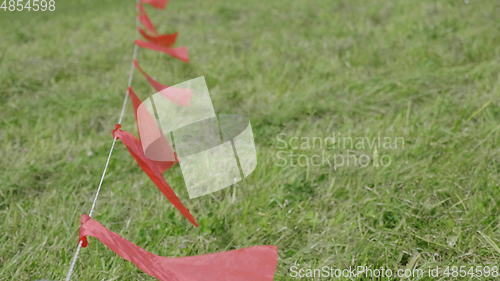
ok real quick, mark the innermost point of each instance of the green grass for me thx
(427, 71)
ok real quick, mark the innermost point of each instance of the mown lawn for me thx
(426, 72)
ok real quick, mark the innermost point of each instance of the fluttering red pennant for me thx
(148, 125)
(164, 40)
(159, 4)
(155, 84)
(145, 20)
(152, 169)
(178, 96)
(179, 52)
(256, 263)
(154, 41)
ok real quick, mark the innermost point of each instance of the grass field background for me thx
(426, 71)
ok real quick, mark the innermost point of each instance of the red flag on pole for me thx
(159, 4)
(152, 169)
(154, 41)
(162, 146)
(178, 53)
(178, 96)
(145, 20)
(165, 40)
(155, 84)
(256, 263)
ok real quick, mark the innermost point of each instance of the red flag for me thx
(156, 42)
(161, 145)
(164, 40)
(159, 4)
(145, 20)
(248, 264)
(153, 170)
(178, 96)
(179, 53)
(155, 84)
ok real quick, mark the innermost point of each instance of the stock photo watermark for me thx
(336, 150)
(364, 271)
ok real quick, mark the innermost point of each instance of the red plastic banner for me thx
(155, 84)
(248, 264)
(159, 4)
(151, 131)
(179, 96)
(179, 52)
(152, 169)
(145, 20)
(164, 40)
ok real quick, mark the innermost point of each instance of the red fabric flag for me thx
(248, 264)
(145, 20)
(179, 53)
(152, 170)
(178, 96)
(160, 146)
(164, 40)
(159, 4)
(156, 42)
(155, 84)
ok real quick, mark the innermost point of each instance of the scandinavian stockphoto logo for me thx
(337, 150)
(179, 124)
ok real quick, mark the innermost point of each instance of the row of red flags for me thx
(248, 264)
(154, 40)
